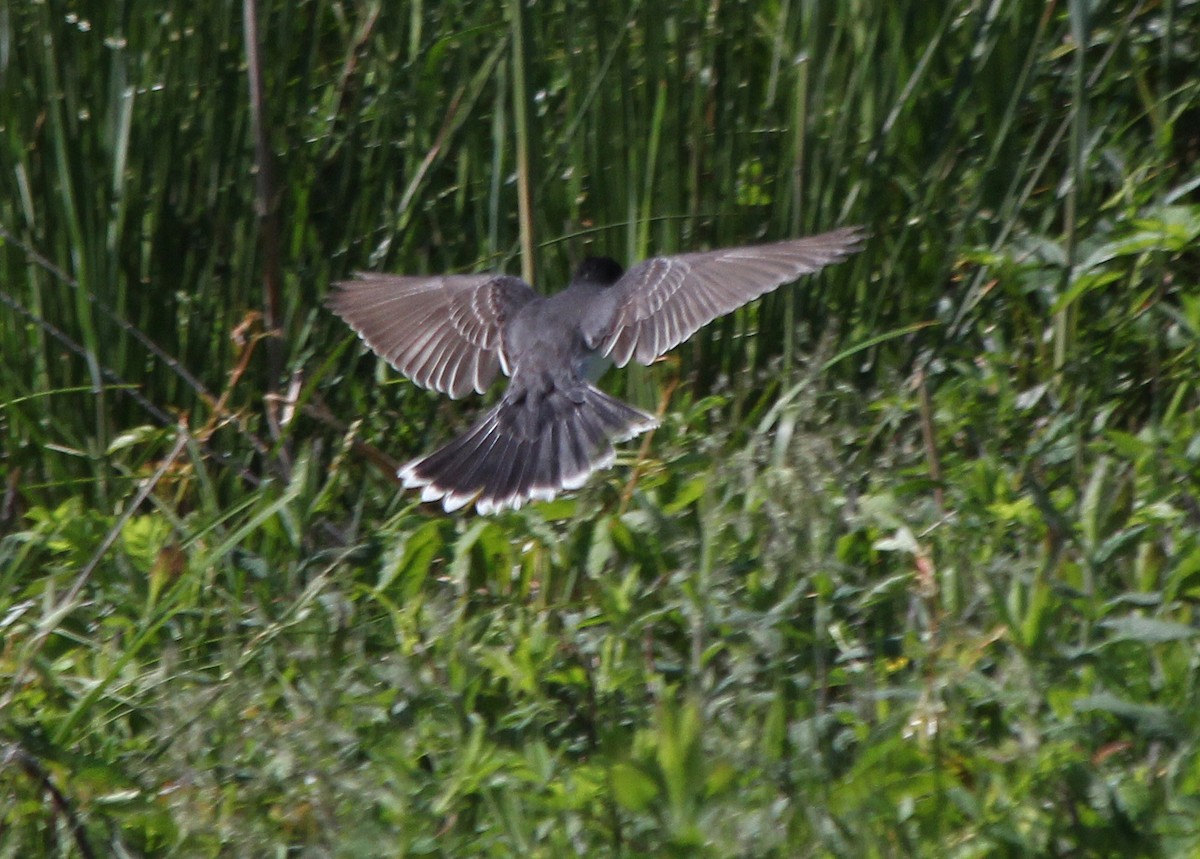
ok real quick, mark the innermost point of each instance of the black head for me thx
(604, 271)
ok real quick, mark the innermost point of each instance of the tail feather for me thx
(467, 463)
(548, 471)
(526, 449)
(573, 460)
(581, 448)
(506, 466)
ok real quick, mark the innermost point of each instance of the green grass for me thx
(910, 568)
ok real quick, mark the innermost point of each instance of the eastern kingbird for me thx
(553, 428)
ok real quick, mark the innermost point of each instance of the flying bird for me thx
(552, 428)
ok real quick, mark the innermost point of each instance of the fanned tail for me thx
(527, 449)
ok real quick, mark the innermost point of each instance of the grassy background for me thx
(911, 567)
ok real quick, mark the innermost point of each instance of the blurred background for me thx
(909, 569)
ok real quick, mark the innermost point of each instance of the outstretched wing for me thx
(665, 300)
(444, 333)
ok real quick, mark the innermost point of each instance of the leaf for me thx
(414, 559)
(631, 787)
(1040, 603)
(132, 438)
(720, 777)
(691, 490)
(600, 549)
(1148, 719)
(1085, 283)
(902, 540)
(1118, 542)
(1147, 630)
(1093, 507)
(1185, 578)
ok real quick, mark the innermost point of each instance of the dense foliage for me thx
(910, 568)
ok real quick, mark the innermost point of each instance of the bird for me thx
(552, 427)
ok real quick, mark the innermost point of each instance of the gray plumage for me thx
(553, 427)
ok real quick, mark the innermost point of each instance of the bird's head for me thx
(603, 271)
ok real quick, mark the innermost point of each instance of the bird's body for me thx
(553, 427)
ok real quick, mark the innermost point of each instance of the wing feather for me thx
(665, 300)
(445, 333)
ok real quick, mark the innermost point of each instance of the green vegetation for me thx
(911, 567)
